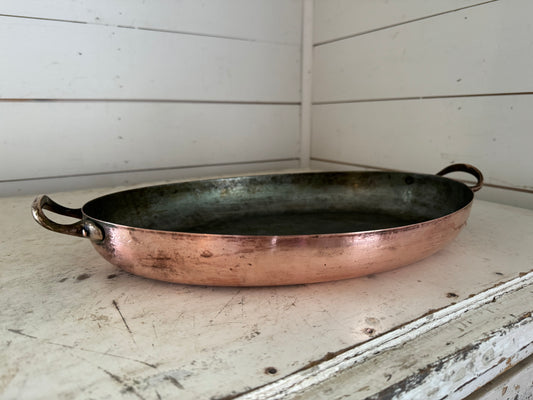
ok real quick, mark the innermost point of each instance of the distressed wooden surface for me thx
(73, 326)
(447, 354)
(515, 384)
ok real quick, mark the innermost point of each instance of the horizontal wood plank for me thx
(335, 19)
(47, 139)
(52, 59)
(141, 177)
(489, 132)
(265, 20)
(484, 49)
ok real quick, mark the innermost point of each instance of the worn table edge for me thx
(335, 365)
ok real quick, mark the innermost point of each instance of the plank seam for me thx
(160, 30)
(401, 23)
(431, 97)
(177, 101)
(150, 169)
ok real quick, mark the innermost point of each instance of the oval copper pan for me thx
(273, 229)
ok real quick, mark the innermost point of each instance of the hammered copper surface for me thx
(277, 229)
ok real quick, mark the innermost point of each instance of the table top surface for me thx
(74, 326)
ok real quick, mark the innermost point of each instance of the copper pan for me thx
(273, 229)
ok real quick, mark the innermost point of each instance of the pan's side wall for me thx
(421, 85)
(108, 93)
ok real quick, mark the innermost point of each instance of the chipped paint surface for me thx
(515, 384)
(476, 350)
(117, 333)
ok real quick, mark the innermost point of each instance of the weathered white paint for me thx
(459, 53)
(48, 139)
(64, 60)
(62, 301)
(491, 133)
(264, 20)
(449, 361)
(495, 194)
(515, 384)
(335, 19)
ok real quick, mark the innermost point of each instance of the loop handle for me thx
(80, 228)
(470, 169)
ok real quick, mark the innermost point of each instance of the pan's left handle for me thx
(469, 169)
(80, 228)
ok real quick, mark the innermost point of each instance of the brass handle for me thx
(470, 169)
(81, 229)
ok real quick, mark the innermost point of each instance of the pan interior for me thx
(301, 223)
(289, 204)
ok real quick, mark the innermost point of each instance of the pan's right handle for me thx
(80, 228)
(469, 169)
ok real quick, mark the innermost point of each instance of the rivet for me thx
(92, 231)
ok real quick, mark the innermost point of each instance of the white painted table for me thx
(73, 326)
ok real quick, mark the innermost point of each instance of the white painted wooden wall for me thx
(416, 85)
(101, 93)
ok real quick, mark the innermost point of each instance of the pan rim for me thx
(382, 231)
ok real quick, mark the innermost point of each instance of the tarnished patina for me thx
(273, 229)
